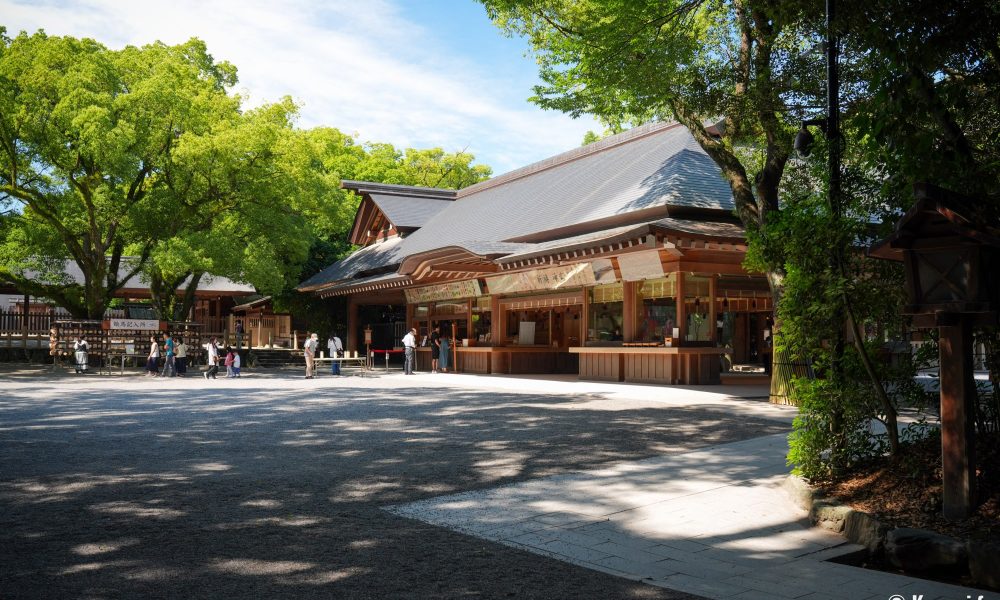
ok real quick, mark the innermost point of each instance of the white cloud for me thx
(359, 66)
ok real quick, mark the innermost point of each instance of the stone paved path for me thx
(714, 522)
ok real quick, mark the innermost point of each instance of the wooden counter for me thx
(651, 364)
(507, 359)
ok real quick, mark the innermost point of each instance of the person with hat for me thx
(309, 349)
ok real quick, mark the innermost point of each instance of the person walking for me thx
(181, 357)
(309, 349)
(229, 362)
(336, 348)
(236, 363)
(213, 358)
(410, 350)
(239, 333)
(153, 360)
(169, 349)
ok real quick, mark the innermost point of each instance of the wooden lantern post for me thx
(951, 253)
(369, 361)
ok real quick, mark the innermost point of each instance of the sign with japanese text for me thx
(140, 324)
(446, 291)
(553, 278)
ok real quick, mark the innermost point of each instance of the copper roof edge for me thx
(370, 187)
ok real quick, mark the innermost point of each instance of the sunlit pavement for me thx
(274, 486)
(714, 522)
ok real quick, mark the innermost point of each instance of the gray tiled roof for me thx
(376, 256)
(662, 166)
(350, 283)
(408, 211)
(657, 166)
(714, 229)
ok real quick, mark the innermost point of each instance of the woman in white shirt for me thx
(180, 357)
(153, 360)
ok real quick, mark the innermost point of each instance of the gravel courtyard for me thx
(273, 487)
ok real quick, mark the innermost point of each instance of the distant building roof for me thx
(208, 285)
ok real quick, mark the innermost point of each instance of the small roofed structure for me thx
(950, 246)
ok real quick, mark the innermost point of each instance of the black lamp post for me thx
(831, 124)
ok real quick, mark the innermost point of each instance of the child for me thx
(236, 364)
(229, 362)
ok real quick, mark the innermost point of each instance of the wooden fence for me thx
(18, 330)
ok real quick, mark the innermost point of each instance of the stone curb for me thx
(857, 526)
(899, 545)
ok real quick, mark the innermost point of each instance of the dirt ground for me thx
(908, 493)
(274, 488)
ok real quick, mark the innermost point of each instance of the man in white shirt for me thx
(336, 347)
(309, 349)
(410, 349)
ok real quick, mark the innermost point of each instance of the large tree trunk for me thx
(163, 293)
(189, 297)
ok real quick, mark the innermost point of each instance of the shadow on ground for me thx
(272, 493)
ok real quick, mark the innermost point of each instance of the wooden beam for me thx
(464, 268)
(958, 397)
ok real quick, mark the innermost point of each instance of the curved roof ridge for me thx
(569, 156)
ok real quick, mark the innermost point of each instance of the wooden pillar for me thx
(496, 321)
(681, 312)
(584, 316)
(24, 323)
(713, 334)
(469, 304)
(958, 394)
(454, 346)
(629, 311)
(352, 324)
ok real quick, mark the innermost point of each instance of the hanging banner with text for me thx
(447, 291)
(636, 266)
(554, 278)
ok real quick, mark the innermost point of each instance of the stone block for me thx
(829, 514)
(920, 550)
(799, 491)
(865, 530)
(984, 564)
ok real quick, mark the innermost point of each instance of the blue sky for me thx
(417, 73)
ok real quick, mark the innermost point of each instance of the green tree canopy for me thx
(85, 134)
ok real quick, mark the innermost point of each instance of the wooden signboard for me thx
(637, 266)
(554, 278)
(447, 291)
(135, 324)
